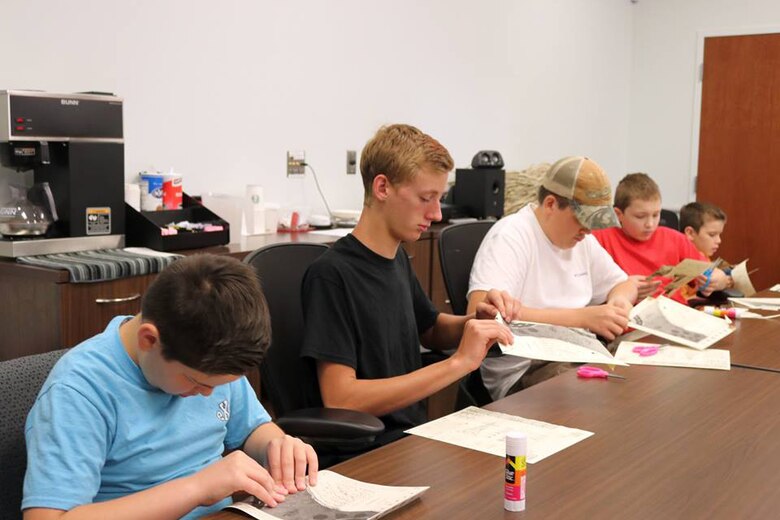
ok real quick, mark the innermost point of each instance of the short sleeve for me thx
(67, 444)
(605, 273)
(501, 262)
(246, 414)
(328, 333)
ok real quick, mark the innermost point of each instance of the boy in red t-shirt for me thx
(640, 246)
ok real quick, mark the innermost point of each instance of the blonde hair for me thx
(399, 152)
(635, 186)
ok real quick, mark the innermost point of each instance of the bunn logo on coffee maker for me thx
(69, 102)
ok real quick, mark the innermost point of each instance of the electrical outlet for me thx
(296, 162)
(351, 162)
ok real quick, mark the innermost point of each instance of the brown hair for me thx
(562, 202)
(695, 215)
(399, 151)
(635, 186)
(210, 313)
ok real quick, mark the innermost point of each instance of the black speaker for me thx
(479, 192)
(490, 159)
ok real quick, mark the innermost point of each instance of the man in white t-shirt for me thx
(544, 256)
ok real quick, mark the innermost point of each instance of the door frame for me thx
(698, 81)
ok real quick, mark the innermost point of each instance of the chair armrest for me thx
(330, 423)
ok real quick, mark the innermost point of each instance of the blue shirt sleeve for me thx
(246, 414)
(67, 442)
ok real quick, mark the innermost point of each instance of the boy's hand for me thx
(237, 472)
(718, 280)
(622, 302)
(478, 336)
(496, 302)
(608, 320)
(288, 457)
(644, 286)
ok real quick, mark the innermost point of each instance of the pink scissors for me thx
(644, 351)
(589, 372)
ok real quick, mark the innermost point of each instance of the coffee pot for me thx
(27, 213)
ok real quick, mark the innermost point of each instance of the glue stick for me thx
(514, 471)
(731, 313)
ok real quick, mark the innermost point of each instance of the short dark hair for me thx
(635, 186)
(563, 202)
(696, 214)
(210, 313)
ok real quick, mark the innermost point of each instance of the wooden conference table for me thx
(668, 443)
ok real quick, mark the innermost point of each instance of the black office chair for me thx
(670, 219)
(458, 245)
(22, 379)
(289, 381)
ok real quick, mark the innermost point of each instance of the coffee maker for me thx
(72, 146)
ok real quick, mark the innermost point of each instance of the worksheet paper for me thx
(556, 343)
(679, 323)
(766, 304)
(334, 496)
(485, 431)
(672, 356)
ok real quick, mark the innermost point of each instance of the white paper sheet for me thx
(766, 304)
(679, 323)
(485, 431)
(556, 343)
(672, 356)
(775, 288)
(334, 495)
(336, 232)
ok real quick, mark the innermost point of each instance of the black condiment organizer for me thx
(144, 228)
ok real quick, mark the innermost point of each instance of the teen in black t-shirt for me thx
(364, 310)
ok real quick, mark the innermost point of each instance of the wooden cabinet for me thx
(419, 254)
(424, 255)
(439, 296)
(43, 311)
(86, 308)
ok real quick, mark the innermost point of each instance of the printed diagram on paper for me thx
(556, 343)
(334, 497)
(679, 323)
(485, 431)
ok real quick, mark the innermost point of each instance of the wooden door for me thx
(739, 147)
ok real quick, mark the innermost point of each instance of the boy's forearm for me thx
(626, 290)
(167, 501)
(562, 317)
(382, 396)
(446, 332)
(257, 443)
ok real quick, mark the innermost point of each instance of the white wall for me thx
(664, 80)
(221, 90)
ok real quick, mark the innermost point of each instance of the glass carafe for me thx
(27, 212)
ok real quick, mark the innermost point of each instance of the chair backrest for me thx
(458, 245)
(21, 378)
(670, 219)
(285, 378)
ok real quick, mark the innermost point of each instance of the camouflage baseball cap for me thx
(585, 184)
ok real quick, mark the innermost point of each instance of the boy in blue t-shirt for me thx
(133, 422)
